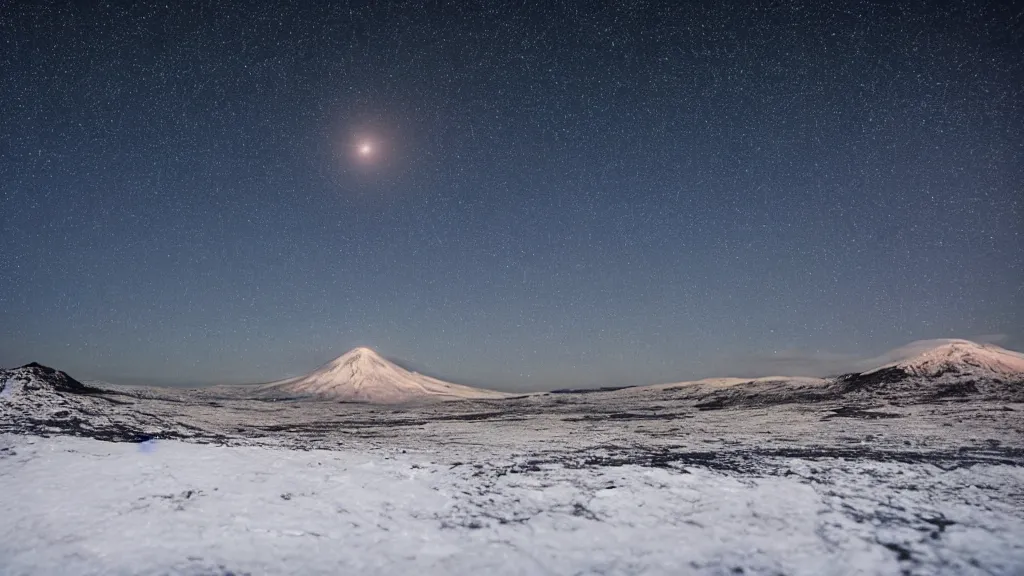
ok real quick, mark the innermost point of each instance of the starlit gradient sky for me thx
(559, 194)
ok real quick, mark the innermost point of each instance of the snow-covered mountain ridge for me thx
(944, 370)
(961, 357)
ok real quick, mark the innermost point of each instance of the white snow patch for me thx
(7, 388)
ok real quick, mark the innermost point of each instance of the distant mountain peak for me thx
(363, 375)
(362, 356)
(362, 351)
(34, 376)
(37, 365)
(963, 357)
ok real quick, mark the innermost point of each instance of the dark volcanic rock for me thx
(859, 382)
(589, 390)
(957, 390)
(854, 412)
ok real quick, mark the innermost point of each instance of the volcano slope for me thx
(363, 375)
(913, 468)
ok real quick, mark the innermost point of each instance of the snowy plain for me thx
(83, 506)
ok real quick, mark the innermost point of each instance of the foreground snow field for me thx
(83, 506)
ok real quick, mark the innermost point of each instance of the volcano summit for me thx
(362, 375)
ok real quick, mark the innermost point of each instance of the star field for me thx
(556, 194)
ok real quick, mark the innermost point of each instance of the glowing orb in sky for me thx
(365, 150)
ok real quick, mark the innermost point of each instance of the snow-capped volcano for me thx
(961, 357)
(362, 375)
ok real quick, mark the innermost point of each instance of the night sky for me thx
(562, 194)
